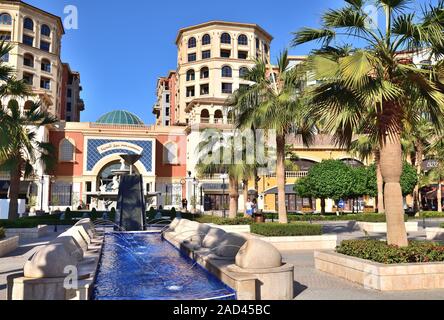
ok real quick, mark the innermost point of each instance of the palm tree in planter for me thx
(22, 147)
(377, 76)
(272, 102)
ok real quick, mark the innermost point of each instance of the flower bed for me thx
(379, 251)
(286, 230)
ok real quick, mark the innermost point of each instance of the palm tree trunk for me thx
(379, 182)
(14, 189)
(391, 170)
(234, 197)
(280, 177)
(245, 195)
(439, 195)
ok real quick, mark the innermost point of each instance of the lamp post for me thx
(42, 183)
(224, 176)
(195, 183)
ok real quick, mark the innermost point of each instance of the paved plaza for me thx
(310, 284)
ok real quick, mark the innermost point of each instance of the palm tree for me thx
(272, 102)
(375, 76)
(22, 148)
(364, 147)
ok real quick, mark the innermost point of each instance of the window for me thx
(5, 19)
(28, 24)
(227, 72)
(46, 66)
(5, 36)
(191, 57)
(190, 91)
(242, 55)
(66, 151)
(45, 83)
(170, 153)
(68, 119)
(225, 38)
(265, 49)
(204, 116)
(5, 58)
(192, 43)
(28, 40)
(167, 98)
(45, 31)
(257, 43)
(191, 76)
(28, 78)
(206, 40)
(68, 106)
(28, 60)
(204, 73)
(45, 46)
(218, 116)
(242, 40)
(206, 54)
(243, 71)
(227, 88)
(69, 93)
(225, 53)
(167, 123)
(167, 112)
(204, 89)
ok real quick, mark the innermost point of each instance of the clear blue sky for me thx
(120, 51)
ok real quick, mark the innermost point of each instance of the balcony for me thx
(290, 174)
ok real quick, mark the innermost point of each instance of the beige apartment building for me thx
(36, 38)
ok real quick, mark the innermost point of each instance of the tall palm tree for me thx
(374, 75)
(272, 102)
(23, 150)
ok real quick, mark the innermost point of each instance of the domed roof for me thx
(120, 117)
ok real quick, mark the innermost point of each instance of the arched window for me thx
(28, 60)
(242, 40)
(46, 65)
(225, 38)
(170, 153)
(227, 72)
(204, 116)
(206, 40)
(5, 18)
(66, 151)
(230, 117)
(46, 31)
(192, 43)
(28, 24)
(191, 75)
(204, 73)
(218, 116)
(243, 71)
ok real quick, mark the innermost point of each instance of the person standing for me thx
(184, 204)
(249, 208)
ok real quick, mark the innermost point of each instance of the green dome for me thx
(120, 117)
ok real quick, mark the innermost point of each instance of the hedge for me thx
(381, 252)
(2, 233)
(286, 230)
(431, 214)
(363, 217)
(224, 221)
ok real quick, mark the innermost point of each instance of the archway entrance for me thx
(106, 177)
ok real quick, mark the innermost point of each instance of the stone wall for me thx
(8, 245)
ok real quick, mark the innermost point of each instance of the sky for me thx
(120, 51)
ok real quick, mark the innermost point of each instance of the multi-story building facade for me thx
(71, 103)
(165, 107)
(35, 36)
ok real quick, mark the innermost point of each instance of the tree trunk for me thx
(234, 197)
(391, 170)
(418, 162)
(322, 206)
(439, 195)
(14, 189)
(280, 177)
(245, 194)
(379, 182)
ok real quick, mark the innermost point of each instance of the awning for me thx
(289, 189)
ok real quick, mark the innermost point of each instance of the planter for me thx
(381, 227)
(28, 233)
(435, 233)
(382, 277)
(8, 245)
(324, 242)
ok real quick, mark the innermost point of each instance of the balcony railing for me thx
(204, 120)
(291, 174)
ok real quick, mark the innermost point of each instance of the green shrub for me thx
(2, 233)
(441, 225)
(224, 221)
(431, 214)
(289, 230)
(363, 217)
(381, 252)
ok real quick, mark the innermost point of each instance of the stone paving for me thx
(310, 284)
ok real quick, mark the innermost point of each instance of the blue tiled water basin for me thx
(142, 266)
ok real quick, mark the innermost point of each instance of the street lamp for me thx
(224, 176)
(195, 183)
(42, 183)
